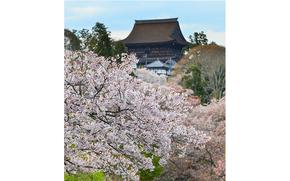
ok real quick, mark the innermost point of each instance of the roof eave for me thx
(155, 43)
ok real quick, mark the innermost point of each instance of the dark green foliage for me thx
(196, 40)
(74, 42)
(199, 38)
(99, 41)
(118, 48)
(147, 175)
(204, 85)
(195, 81)
(85, 37)
(203, 71)
(96, 176)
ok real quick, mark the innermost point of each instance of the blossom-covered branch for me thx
(112, 119)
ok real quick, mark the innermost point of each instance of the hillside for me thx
(210, 56)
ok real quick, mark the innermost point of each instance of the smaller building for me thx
(158, 67)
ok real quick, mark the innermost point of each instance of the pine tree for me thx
(100, 41)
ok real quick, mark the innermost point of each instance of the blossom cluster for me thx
(150, 76)
(112, 118)
(207, 163)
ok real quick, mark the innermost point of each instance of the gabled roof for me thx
(156, 64)
(155, 31)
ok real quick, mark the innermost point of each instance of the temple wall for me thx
(163, 53)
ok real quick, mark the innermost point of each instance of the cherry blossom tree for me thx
(113, 119)
(208, 163)
(150, 76)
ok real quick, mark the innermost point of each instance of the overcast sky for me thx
(119, 16)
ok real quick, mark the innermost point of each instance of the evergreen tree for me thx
(195, 81)
(85, 37)
(71, 41)
(100, 41)
(195, 40)
(199, 38)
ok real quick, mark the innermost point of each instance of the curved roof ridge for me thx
(156, 20)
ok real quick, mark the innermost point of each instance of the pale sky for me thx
(119, 16)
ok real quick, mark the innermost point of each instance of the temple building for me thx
(156, 40)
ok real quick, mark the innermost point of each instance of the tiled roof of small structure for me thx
(156, 64)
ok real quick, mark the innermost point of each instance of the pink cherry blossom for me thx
(112, 118)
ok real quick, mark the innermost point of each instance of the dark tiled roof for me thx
(173, 20)
(155, 31)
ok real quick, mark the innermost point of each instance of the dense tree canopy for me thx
(99, 41)
(203, 71)
(114, 121)
(206, 164)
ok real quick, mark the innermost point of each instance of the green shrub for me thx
(195, 81)
(203, 84)
(95, 176)
(147, 175)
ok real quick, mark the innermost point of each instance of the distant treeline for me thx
(98, 40)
